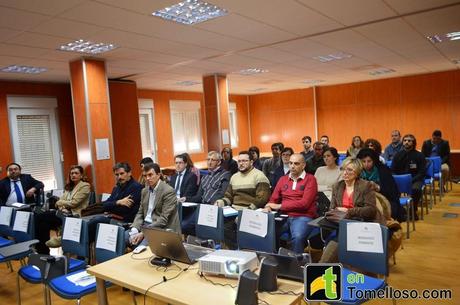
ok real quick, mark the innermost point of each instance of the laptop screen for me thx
(167, 244)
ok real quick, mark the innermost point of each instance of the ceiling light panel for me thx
(251, 71)
(381, 71)
(188, 83)
(23, 69)
(332, 57)
(88, 47)
(444, 37)
(190, 12)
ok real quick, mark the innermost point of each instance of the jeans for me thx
(299, 230)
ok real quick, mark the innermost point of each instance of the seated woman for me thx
(255, 152)
(228, 163)
(375, 146)
(192, 167)
(381, 180)
(327, 176)
(283, 169)
(74, 199)
(354, 198)
(356, 145)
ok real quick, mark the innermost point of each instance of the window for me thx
(147, 129)
(233, 125)
(186, 126)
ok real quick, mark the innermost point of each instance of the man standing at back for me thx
(308, 151)
(18, 187)
(410, 161)
(295, 195)
(394, 147)
(438, 147)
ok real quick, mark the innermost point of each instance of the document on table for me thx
(21, 221)
(107, 237)
(229, 211)
(5, 216)
(254, 222)
(18, 205)
(82, 278)
(72, 229)
(208, 215)
(364, 237)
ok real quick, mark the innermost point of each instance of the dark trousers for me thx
(44, 222)
(416, 193)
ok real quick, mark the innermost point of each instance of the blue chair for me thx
(388, 163)
(66, 289)
(207, 232)
(404, 183)
(437, 176)
(365, 261)
(341, 158)
(429, 182)
(6, 215)
(254, 242)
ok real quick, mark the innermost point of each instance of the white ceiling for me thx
(280, 36)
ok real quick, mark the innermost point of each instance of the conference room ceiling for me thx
(280, 36)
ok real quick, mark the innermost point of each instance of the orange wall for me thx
(125, 124)
(284, 116)
(242, 122)
(65, 117)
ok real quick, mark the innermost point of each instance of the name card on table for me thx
(5, 216)
(208, 215)
(21, 221)
(254, 222)
(107, 237)
(72, 229)
(364, 237)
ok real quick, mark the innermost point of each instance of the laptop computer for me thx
(168, 244)
(289, 267)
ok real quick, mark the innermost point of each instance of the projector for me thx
(229, 263)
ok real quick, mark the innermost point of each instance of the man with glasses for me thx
(394, 147)
(183, 181)
(283, 169)
(317, 160)
(212, 187)
(411, 161)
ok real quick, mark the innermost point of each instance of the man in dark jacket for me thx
(18, 187)
(411, 161)
(438, 147)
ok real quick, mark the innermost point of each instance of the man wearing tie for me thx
(17, 187)
(184, 181)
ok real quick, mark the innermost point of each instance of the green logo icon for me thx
(323, 282)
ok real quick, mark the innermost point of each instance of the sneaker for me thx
(54, 242)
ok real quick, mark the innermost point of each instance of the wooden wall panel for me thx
(65, 118)
(212, 113)
(281, 116)
(242, 123)
(124, 110)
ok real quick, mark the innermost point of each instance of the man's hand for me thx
(136, 238)
(219, 203)
(272, 207)
(181, 199)
(127, 201)
(31, 192)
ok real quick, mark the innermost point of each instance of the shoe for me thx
(54, 242)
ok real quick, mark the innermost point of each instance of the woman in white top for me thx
(327, 176)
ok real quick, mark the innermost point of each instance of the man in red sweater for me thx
(295, 195)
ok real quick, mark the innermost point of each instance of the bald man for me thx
(295, 195)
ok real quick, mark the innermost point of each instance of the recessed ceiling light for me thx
(251, 71)
(332, 57)
(313, 81)
(190, 12)
(89, 47)
(188, 83)
(381, 71)
(456, 61)
(23, 69)
(257, 89)
(444, 37)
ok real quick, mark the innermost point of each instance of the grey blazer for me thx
(165, 214)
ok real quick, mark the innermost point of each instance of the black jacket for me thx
(133, 188)
(443, 150)
(188, 187)
(410, 162)
(389, 189)
(27, 182)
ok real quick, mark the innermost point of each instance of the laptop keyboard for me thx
(195, 252)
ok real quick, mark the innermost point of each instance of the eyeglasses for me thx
(212, 160)
(348, 170)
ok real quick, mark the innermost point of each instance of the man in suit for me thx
(184, 181)
(17, 187)
(158, 206)
(438, 147)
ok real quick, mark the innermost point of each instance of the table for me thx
(187, 288)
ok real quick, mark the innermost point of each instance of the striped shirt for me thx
(213, 187)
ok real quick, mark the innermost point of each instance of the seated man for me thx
(317, 160)
(394, 147)
(212, 187)
(411, 161)
(438, 147)
(295, 195)
(270, 165)
(308, 152)
(248, 188)
(18, 187)
(123, 203)
(183, 181)
(158, 206)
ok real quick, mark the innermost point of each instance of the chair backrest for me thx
(341, 158)
(208, 232)
(389, 163)
(6, 220)
(203, 172)
(92, 198)
(72, 242)
(50, 266)
(23, 226)
(436, 164)
(179, 210)
(110, 242)
(254, 242)
(375, 262)
(429, 168)
(404, 183)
